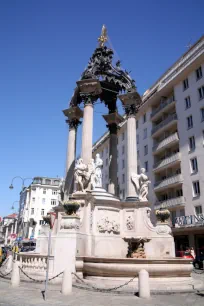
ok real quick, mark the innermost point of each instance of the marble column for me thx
(131, 102)
(87, 133)
(15, 228)
(73, 114)
(113, 120)
(12, 228)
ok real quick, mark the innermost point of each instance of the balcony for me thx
(179, 201)
(165, 163)
(164, 106)
(166, 123)
(165, 143)
(168, 182)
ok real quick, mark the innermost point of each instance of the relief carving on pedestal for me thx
(130, 223)
(105, 225)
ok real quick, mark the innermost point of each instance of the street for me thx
(30, 294)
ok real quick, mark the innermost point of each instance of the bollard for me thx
(15, 276)
(9, 263)
(143, 284)
(67, 282)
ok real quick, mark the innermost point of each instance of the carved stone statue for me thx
(98, 171)
(141, 182)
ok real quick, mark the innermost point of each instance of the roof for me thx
(12, 216)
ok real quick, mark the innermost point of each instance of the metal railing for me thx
(164, 122)
(162, 106)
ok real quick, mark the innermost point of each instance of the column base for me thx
(132, 199)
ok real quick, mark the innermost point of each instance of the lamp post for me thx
(23, 180)
(12, 207)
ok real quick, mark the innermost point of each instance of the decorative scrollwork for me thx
(131, 110)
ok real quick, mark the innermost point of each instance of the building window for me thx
(185, 84)
(138, 154)
(106, 161)
(43, 201)
(137, 139)
(199, 73)
(202, 114)
(123, 164)
(191, 143)
(32, 211)
(145, 133)
(144, 118)
(123, 136)
(123, 149)
(198, 210)
(189, 122)
(56, 182)
(42, 212)
(123, 178)
(137, 124)
(196, 188)
(201, 92)
(194, 165)
(146, 150)
(187, 102)
(48, 182)
(33, 200)
(44, 191)
(54, 192)
(179, 193)
(53, 202)
(106, 150)
(33, 189)
(41, 222)
(182, 212)
(123, 193)
(146, 166)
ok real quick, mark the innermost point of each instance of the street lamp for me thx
(12, 207)
(23, 180)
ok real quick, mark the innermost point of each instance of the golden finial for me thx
(104, 37)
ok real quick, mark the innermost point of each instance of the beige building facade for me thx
(170, 146)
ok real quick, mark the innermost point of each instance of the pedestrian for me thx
(192, 252)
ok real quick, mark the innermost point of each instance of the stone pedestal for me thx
(113, 120)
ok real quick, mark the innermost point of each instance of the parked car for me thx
(184, 254)
(199, 261)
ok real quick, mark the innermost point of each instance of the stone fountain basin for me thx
(129, 267)
(166, 275)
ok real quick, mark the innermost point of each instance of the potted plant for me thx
(162, 215)
(71, 207)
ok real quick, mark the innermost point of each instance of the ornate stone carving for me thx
(65, 224)
(130, 223)
(163, 229)
(98, 171)
(107, 226)
(141, 182)
(136, 247)
(83, 174)
(131, 110)
(73, 123)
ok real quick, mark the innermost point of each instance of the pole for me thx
(48, 257)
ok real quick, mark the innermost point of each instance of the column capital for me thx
(73, 123)
(88, 98)
(131, 110)
(113, 120)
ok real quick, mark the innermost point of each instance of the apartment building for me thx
(36, 201)
(170, 146)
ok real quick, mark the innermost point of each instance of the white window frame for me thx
(32, 211)
(202, 114)
(55, 202)
(42, 212)
(194, 162)
(191, 149)
(200, 208)
(196, 187)
(199, 73)
(189, 122)
(201, 92)
(145, 149)
(187, 102)
(185, 84)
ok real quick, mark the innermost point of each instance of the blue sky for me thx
(45, 46)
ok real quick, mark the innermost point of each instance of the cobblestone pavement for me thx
(29, 294)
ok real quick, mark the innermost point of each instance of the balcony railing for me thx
(168, 160)
(164, 122)
(169, 181)
(162, 106)
(179, 201)
(166, 141)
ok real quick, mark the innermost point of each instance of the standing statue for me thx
(98, 171)
(141, 182)
(84, 175)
